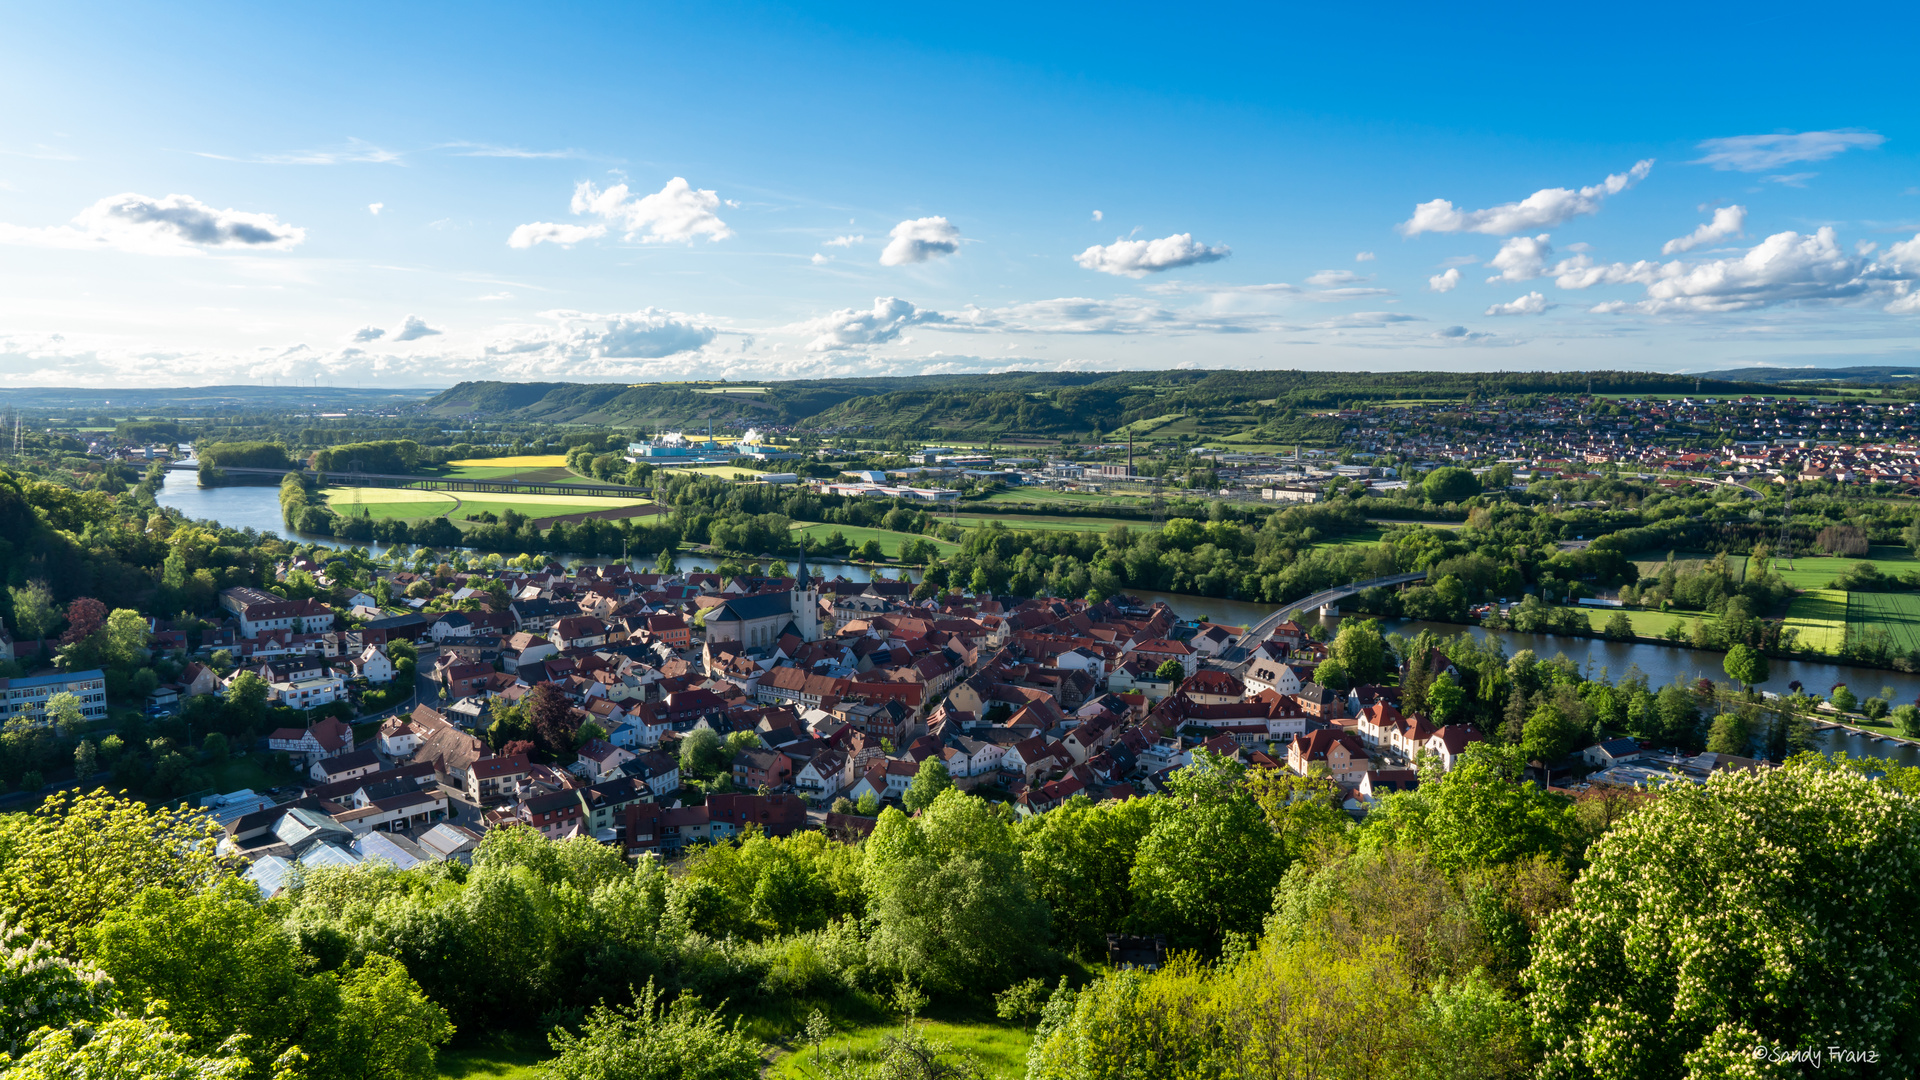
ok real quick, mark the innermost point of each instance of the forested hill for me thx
(1036, 403)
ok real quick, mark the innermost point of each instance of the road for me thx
(1259, 631)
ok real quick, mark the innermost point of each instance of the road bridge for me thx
(1327, 600)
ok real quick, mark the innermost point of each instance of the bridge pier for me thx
(1327, 610)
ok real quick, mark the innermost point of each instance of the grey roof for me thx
(759, 606)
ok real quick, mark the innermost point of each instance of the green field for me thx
(857, 535)
(413, 503)
(1651, 563)
(1362, 537)
(1820, 615)
(1818, 572)
(496, 1057)
(1897, 613)
(1043, 522)
(1650, 624)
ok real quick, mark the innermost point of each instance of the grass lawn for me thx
(857, 535)
(1001, 1047)
(1019, 522)
(1819, 572)
(1651, 624)
(1820, 615)
(1363, 537)
(497, 1057)
(1897, 613)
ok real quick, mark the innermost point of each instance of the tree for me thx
(701, 754)
(868, 806)
(1479, 814)
(1333, 675)
(1679, 715)
(1908, 717)
(385, 1029)
(928, 783)
(245, 700)
(124, 638)
(1361, 650)
(844, 805)
(950, 897)
(86, 761)
(215, 747)
(1445, 699)
(1673, 942)
(1843, 699)
(1548, 735)
(84, 616)
(1079, 856)
(63, 710)
(663, 563)
(34, 613)
(553, 720)
(134, 1048)
(1619, 626)
(1746, 665)
(1729, 735)
(39, 987)
(1450, 484)
(79, 856)
(1172, 671)
(1208, 864)
(653, 1040)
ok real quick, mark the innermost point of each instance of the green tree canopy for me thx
(928, 783)
(1730, 915)
(1209, 862)
(1746, 664)
(1450, 484)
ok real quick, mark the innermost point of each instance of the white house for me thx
(599, 760)
(372, 665)
(1612, 752)
(398, 738)
(309, 693)
(825, 774)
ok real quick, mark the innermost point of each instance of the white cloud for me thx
(1446, 282)
(853, 328)
(1787, 267)
(1098, 216)
(1531, 304)
(1727, 221)
(677, 213)
(1332, 278)
(1522, 258)
(820, 260)
(366, 334)
(920, 239)
(1138, 258)
(1364, 256)
(1794, 180)
(550, 232)
(413, 328)
(173, 225)
(648, 334)
(470, 149)
(375, 208)
(1542, 209)
(845, 241)
(1758, 153)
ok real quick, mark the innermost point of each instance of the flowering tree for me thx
(1773, 909)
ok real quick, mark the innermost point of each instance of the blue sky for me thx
(188, 194)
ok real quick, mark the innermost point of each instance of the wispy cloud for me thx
(1758, 153)
(355, 151)
(1542, 209)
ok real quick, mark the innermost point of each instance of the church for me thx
(758, 621)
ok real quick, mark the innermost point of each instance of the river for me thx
(258, 507)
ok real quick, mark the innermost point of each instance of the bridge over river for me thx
(439, 483)
(1327, 600)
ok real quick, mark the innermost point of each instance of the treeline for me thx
(1477, 927)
